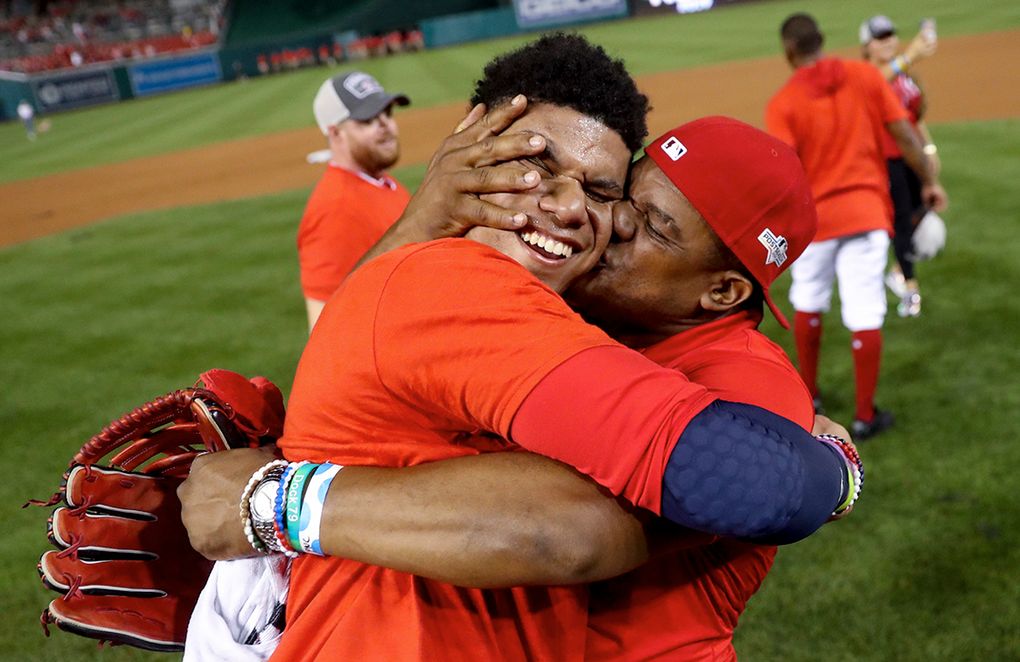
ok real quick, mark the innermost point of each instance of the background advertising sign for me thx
(175, 73)
(532, 14)
(647, 7)
(82, 88)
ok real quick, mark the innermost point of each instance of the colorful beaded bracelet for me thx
(854, 466)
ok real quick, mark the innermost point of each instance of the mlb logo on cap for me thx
(674, 148)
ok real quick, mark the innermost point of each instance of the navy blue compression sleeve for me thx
(741, 471)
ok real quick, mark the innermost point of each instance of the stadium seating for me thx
(72, 33)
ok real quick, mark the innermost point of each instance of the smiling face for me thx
(583, 170)
(662, 269)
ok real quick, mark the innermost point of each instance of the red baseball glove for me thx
(123, 564)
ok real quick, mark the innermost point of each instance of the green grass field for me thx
(98, 319)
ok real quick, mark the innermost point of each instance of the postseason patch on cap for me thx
(775, 245)
(674, 148)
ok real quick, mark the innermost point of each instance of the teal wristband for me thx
(295, 494)
(312, 506)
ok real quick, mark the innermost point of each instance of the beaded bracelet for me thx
(312, 506)
(854, 466)
(256, 478)
(280, 541)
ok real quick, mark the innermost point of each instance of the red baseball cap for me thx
(750, 188)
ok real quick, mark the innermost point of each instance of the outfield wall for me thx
(261, 27)
(105, 83)
(257, 22)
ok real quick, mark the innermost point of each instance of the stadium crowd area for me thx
(377, 45)
(42, 36)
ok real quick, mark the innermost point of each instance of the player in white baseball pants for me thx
(858, 263)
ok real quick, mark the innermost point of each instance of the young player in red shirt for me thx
(401, 312)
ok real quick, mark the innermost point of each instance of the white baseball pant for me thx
(858, 263)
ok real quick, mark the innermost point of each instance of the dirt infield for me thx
(964, 81)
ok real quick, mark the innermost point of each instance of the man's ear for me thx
(728, 289)
(335, 133)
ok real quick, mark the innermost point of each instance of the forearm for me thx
(912, 150)
(494, 520)
(922, 129)
(498, 519)
(930, 149)
(920, 47)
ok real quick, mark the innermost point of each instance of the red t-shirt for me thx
(346, 215)
(834, 114)
(418, 350)
(685, 605)
(911, 96)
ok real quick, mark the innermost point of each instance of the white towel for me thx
(239, 612)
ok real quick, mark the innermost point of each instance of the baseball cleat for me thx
(881, 421)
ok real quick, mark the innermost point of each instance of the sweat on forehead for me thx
(577, 146)
(567, 70)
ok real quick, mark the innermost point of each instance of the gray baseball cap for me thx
(354, 95)
(876, 27)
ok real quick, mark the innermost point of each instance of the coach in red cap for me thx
(716, 211)
(744, 213)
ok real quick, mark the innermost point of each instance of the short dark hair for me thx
(567, 70)
(801, 32)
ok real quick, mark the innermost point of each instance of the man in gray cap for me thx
(355, 202)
